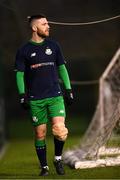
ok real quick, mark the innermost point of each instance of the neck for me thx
(37, 38)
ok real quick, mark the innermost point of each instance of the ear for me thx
(34, 28)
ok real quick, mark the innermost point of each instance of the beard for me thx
(42, 35)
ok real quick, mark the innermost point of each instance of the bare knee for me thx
(40, 135)
(40, 132)
(60, 131)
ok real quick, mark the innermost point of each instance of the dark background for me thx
(87, 49)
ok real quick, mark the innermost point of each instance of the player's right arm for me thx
(20, 68)
(20, 82)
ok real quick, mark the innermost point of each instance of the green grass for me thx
(20, 160)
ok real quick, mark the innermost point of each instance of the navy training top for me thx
(39, 62)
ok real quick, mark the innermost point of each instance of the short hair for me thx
(34, 17)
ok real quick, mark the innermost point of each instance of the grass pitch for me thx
(20, 160)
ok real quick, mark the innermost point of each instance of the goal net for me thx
(100, 146)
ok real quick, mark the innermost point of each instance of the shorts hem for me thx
(58, 116)
(35, 125)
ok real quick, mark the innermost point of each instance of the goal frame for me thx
(111, 155)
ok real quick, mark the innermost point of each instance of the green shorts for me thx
(42, 110)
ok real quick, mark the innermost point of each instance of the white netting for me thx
(90, 152)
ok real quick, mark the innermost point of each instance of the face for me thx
(41, 27)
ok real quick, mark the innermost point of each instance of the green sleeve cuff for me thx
(63, 73)
(20, 82)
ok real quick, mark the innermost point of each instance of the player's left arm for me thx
(63, 73)
(64, 76)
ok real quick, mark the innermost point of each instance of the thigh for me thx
(38, 112)
(56, 107)
(57, 120)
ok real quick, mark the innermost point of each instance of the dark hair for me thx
(33, 17)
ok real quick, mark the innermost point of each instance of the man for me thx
(39, 63)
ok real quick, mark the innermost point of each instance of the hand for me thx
(24, 101)
(68, 97)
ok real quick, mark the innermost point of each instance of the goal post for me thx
(100, 146)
